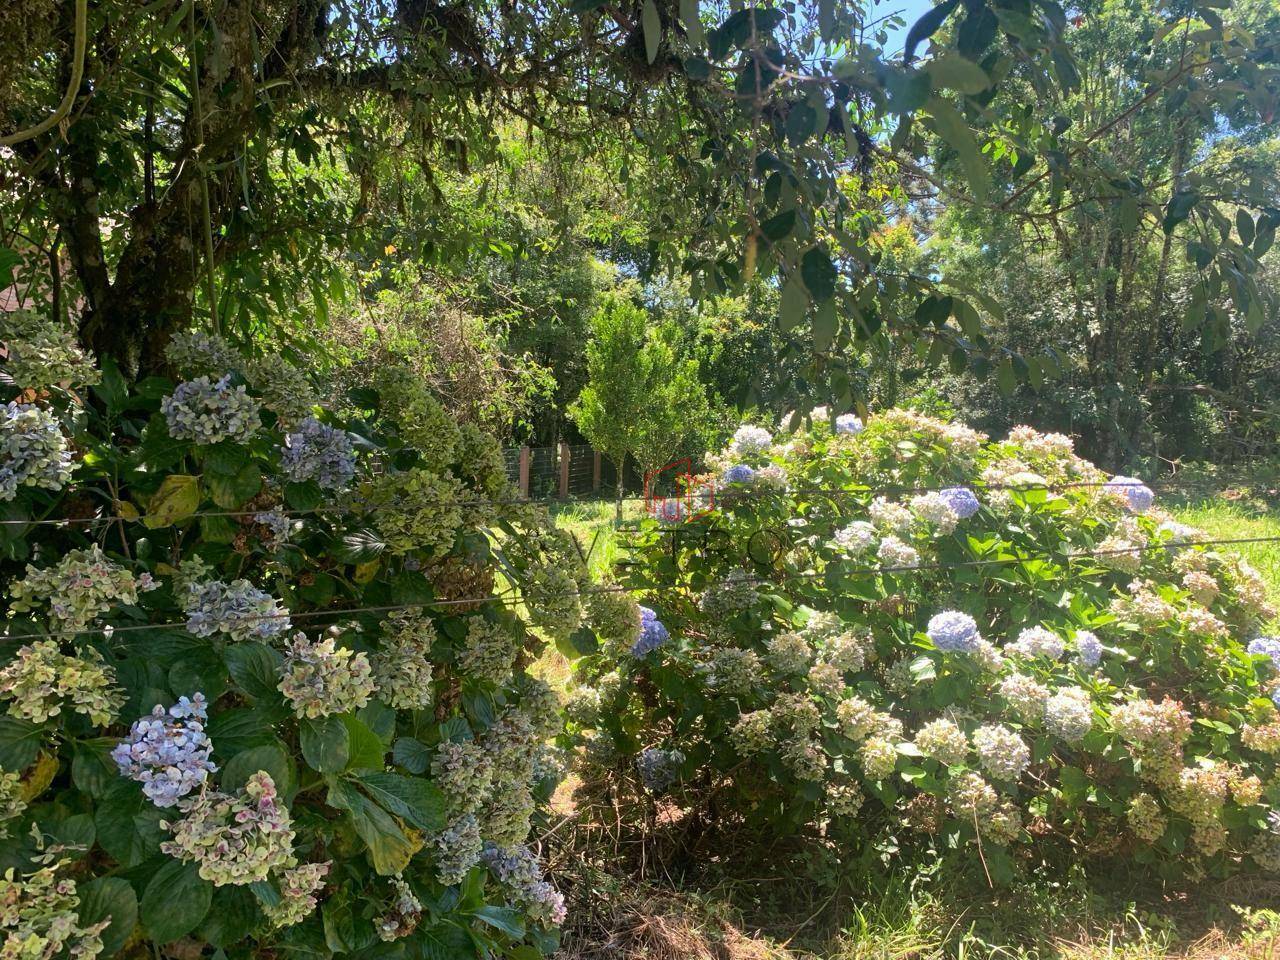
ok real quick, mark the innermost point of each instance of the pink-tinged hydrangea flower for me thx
(895, 553)
(320, 453)
(954, 632)
(961, 500)
(41, 681)
(33, 451)
(209, 412)
(321, 678)
(1137, 496)
(40, 918)
(79, 589)
(236, 839)
(168, 752)
(404, 914)
(298, 888)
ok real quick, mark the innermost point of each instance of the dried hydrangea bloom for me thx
(614, 615)
(826, 679)
(321, 678)
(488, 651)
(40, 681)
(43, 353)
(1002, 753)
(282, 388)
(879, 757)
(844, 799)
(1144, 606)
(1025, 696)
(890, 516)
(33, 451)
(78, 589)
(753, 732)
(416, 511)
(1145, 818)
(402, 669)
(521, 877)
(197, 353)
(298, 888)
(208, 412)
(458, 848)
(320, 454)
(733, 671)
(734, 593)
(788, 653)
(403, 915)
(236, 839)
(40, 918)
(803, 756)
(1004, 825)
(1155, 734)
(1202, 586)
(943, 741)
(11, 802)
(238, 609)
(168, 752)
(856, 718)
(278, 524)
(658, 768)
(464, 773)
(971, 798)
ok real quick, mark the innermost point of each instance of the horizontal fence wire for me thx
(550, 474)
(506, 599)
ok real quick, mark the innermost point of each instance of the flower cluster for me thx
(33, 451)
(954, 632)
(402, 918)
(1137, 496)
(278, 526)
(43, 353)
(321, 678)
(168, 752)
(238, 609)
(519, 873)
(1038, 642)
(402, 669)
(235, 839)
(488, 651)
(319, 453)
(658, 768)
(196, 353)
(41, 680)
(40, 918)
(80, 588)
(416, 511)
(458, 848)
(962, 501)
(750, 441)
(614, 615)
(206, 411)
(298, 888)
(652, 633)
(1002, 753)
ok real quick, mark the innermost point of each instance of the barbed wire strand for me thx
(735, 491)
(109, 631)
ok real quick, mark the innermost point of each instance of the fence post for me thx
(564, 470)
(524, 471)
(595, 470)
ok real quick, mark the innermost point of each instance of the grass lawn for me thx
(734, 910)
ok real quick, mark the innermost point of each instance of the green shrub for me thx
(262, 694)
(893, 632)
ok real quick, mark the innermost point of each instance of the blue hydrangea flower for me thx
(319, 452)
(209, 412)
(1266, 647)
(168, 752)
(954, 632)
(1088, 649)
(961, 500)
(739, 473)
(238, 609)
(652, 634)
(33, 451)
(1137, 495)
(1275, 696)
(658, 768)
(848, 423)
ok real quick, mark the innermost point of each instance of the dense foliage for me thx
(262, 691)
(913, 635)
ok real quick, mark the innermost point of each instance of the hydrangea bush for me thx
(912, 631)
(263, 689)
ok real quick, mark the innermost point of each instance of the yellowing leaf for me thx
(365, 572)
(127, 510)
(41, 775)
(175, 501)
